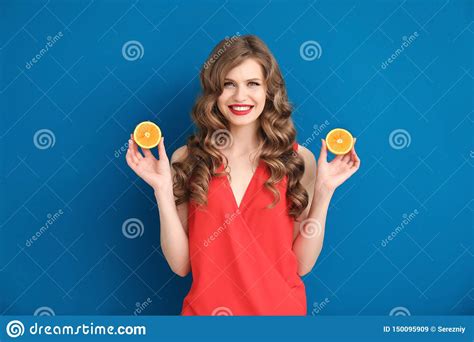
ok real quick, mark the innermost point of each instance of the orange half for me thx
(339, 141)
(147, 134)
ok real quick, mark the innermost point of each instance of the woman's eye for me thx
(253, 84)
(228, 84)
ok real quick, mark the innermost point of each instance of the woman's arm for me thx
(322, 180)
(173, 226)
(309, 241)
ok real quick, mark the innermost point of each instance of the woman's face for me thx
(243, 98)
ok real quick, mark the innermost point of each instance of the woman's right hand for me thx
(155, 172)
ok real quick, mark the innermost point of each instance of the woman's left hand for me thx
(330, 175)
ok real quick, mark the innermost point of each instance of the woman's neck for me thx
(244, 140)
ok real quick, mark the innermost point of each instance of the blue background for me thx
(90, 97)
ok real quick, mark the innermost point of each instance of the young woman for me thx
(242, 205)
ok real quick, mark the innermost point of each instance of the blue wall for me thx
(89, 97)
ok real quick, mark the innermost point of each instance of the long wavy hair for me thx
(276, 130)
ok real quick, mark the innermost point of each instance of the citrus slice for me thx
(339, 141)
(147, 134)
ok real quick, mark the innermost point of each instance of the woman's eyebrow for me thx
(250, 79)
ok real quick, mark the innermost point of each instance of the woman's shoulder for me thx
(179, 154)
(306, 154)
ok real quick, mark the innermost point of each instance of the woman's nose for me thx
(240, 94)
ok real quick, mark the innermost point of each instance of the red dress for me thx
(241, 258)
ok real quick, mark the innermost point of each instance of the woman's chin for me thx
(241, 120)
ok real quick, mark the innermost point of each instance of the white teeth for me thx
(242, 108)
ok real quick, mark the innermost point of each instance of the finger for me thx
(162, 149)
(353, 158)
(130, 161)
(147, 153)
(134, 147)
(352, 152)
(347, 157)
(356, 163)
(135, 160)
(352, 170)
(338, 158)
(323, 155)
(133, 156)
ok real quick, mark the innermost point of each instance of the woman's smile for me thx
(240, 109)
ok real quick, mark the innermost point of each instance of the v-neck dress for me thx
(242, 261)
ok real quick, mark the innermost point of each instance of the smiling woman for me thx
(241, 206)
